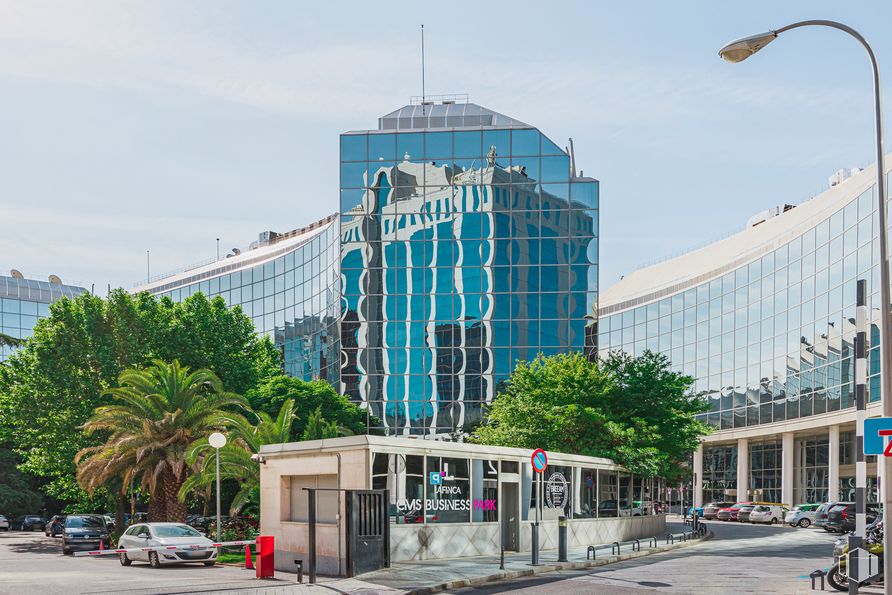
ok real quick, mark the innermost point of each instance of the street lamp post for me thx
(740, 50)
(218, 441)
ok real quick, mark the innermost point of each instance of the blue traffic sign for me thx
(539, 460)
(877, 431)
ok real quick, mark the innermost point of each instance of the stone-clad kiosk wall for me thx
(447, 499)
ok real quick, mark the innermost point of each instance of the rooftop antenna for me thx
(423, 106)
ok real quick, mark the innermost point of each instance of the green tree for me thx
(647, 391)
(569, 404)
(19, 492)
(244, 439)
(319, 428)
(53, 384)
(308, 397)
(159, 412)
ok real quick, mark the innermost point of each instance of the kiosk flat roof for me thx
(428, 447)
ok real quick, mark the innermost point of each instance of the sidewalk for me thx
(431, 576)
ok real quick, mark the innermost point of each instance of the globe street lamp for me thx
(218, 441)
(738, 51)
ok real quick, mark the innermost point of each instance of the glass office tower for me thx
(25, 301)
(467, 243)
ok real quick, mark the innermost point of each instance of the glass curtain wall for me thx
(771, 340)
(719, 472)
(293, 299)
(765, 472)
(462, 252)
(811, 480)
(25, 301)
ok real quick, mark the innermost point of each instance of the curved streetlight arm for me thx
(885, 301)
(755, 44)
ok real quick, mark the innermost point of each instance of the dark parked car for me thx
(821, 514)
(711, 510)
(84, 532)
(29, 522)
(841, 517)
(55, 526)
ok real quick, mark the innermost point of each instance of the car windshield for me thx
(85, 522)
(175, 531)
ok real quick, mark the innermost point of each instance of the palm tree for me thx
(10, 341)
(244, 440)
(161, 411)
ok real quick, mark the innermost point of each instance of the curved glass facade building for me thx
(765, 322)
(464, 241)
(467, 243)
(287, 284)
(25, 301)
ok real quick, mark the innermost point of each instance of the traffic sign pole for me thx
(539, 462)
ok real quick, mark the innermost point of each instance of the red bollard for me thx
(101, 544)
(266, 557)
(249, 563)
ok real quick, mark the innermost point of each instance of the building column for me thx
(833, 466)
(698, 476)
(787, 468)
(743, 469)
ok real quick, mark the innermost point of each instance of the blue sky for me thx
(134, 126)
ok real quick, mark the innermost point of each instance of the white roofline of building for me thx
(427, 447)
(651, 283)
(248, 258)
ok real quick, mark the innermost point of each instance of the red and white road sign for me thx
(156, 548)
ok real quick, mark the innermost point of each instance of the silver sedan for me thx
(182, 543)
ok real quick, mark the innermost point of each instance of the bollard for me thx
(590, 551)
(670, 537)
(817, 574)
(615, 545)
(502, 560)
(654, 540)
(535, 539)
(562, 539)
(300, 570)
(636, 545)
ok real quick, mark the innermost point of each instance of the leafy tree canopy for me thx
(636, 411)
(52, 385)
(309, 397)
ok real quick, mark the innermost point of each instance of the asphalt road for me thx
(33, 563)
(741, 558)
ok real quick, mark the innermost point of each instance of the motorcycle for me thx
(873, 542)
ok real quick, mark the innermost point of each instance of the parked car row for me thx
(746, 512)
(839, 517)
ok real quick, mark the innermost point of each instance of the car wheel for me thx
(47, 534)
(211, 563)
(154, 562)
(125, 561)
(804, 523)
(66, 551)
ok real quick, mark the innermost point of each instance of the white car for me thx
(802, 515)
(4, 523)
(166, 534)
(768, 513)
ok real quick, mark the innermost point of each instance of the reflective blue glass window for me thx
(525, 142)
(382, 147)
(354, 147)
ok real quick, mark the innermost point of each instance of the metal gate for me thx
(368, 531)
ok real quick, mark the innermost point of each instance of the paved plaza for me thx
(739, 559)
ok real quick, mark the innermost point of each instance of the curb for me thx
(551, 567)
